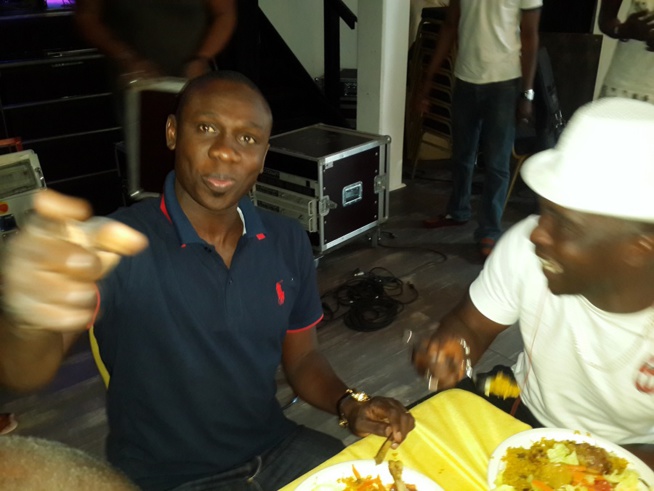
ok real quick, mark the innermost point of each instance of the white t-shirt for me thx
(581, 368)
(489, 40)
(631, 72)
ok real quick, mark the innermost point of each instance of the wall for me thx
(300, 23)
(383, 49)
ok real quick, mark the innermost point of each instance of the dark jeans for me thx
(298, 454)
(483, 118)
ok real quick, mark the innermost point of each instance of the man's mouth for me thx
(550, 266)
(219, 182)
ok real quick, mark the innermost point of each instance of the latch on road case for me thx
(380, 183)
(325, 204)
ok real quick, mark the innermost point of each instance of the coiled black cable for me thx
(373, 300)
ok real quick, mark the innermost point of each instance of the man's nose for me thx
(224, 148)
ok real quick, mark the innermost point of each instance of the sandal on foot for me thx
(486, 246)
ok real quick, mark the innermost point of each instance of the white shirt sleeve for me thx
(530, 4)
(497, 291)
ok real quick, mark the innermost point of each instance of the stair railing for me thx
(334, 11)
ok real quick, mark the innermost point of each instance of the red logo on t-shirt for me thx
(645, 377)
(280, 293)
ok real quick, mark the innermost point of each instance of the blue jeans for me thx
(483, 118)
(299, 453)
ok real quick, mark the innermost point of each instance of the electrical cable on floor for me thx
(372, 298)
(442, 255)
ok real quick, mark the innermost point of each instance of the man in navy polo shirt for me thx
(209, 297)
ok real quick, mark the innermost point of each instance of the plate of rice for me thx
(553, 459)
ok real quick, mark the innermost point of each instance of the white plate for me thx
(527, 438)
(328, 476)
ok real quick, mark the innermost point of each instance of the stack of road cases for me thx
(333, 180)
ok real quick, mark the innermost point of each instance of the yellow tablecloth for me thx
(455, 434)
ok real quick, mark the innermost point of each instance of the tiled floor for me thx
(438, 263)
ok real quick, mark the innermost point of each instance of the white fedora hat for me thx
(603, 162)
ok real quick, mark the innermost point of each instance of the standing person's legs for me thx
(466, 126)
(497, 137)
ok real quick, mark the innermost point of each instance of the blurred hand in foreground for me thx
(50, 268)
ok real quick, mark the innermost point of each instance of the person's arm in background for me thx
(88, 18)
(313, 379)
(446, 39)
(223, 23)
(638, 26)
(529, 23)
(49, 293)
(443, 354)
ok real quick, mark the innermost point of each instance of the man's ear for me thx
(641, 250)
(171, 132)
(263, 160)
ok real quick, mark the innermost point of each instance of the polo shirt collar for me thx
(171, 208)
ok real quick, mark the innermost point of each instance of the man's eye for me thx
(250, 140)
(205, 128)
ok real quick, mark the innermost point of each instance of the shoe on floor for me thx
(486, 246)
(7, 423)
(443, 221)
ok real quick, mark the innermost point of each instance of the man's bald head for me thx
(35, 464)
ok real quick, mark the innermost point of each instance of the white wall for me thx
(300, 23)
(381, 93)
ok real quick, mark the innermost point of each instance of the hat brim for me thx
(541, 173)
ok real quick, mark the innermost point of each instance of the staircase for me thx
(258, 51)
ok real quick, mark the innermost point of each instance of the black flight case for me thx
(333, 180)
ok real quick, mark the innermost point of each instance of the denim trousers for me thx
(299, 453)
(483, 119)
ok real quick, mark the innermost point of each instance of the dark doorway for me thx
(572, 16)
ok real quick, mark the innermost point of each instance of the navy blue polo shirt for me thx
(192, 347)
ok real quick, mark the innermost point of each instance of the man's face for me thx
(580, 252)
(220, 144)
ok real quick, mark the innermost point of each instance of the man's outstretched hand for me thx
(50, 268)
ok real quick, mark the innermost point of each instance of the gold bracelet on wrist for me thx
(358, 396)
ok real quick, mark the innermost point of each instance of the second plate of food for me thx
(547, 460)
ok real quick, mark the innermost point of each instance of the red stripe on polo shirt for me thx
(97, 307)
(291, 331)
(164, 210)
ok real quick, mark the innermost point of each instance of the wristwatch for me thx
(358, 396)
(528, 94)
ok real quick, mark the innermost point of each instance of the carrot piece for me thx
(541, 485)
(578, 477)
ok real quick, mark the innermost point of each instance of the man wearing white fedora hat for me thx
(579, 279)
